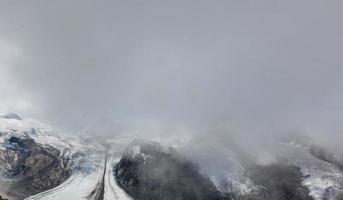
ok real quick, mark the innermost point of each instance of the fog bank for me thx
(175, 69)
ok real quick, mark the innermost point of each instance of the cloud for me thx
(265, 67)
(12, 98)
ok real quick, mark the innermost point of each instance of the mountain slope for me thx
(36, 163)
(26, 166)
(147, 171)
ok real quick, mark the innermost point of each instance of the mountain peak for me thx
(10, 116)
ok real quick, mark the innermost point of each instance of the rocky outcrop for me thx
(31, 167)
(147, 171)
(10, 116)
(277, 181)
(327, 156)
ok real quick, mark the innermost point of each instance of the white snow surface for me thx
(79, 185)
(320, 177)
(112, 190)
(88, 168)
(136, 150)
(40, 132)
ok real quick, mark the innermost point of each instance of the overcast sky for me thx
(261, 66)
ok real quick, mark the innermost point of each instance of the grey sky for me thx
(263, 66)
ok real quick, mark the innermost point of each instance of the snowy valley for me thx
(37, 163)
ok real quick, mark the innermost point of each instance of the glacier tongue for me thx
(92, 164)
(112, 190)
(91, 174)
(83, 181)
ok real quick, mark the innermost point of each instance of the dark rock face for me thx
(147, 172)
(327, 156)
(277, 182)
(11, 116)
(32, 166)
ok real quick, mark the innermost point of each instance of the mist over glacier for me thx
(185, 100)
(177, 71)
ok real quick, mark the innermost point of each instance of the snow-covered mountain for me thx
(34, 159)
(38, 163)
(31, 160)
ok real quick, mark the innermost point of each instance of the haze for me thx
(175, 68)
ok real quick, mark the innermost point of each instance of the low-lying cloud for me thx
(263, 68)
